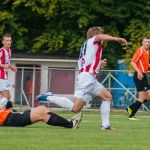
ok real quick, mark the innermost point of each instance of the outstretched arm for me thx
(105, 37)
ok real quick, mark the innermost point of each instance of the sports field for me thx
(130, 135)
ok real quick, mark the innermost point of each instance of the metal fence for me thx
(31, 81)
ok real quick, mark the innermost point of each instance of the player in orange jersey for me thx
(36, 114)
(140, 63)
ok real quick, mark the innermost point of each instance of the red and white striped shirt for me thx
(90, 56)
(4, 59)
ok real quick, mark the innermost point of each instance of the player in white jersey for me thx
(5, 55)
(87, 85)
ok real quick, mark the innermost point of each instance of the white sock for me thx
(105, 113)
(61, 101)
(3, 102)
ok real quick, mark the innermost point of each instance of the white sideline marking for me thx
(115, 115)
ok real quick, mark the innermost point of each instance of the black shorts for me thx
(141, 85)
(18, 119)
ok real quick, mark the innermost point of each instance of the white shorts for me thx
(86, 86)
(4, 85)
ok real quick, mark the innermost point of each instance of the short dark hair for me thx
(6, 35)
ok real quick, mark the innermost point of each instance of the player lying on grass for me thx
(37, 114)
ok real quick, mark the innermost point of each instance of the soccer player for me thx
(140, 63)
(5, 55)
(87, 85)
(36, 114)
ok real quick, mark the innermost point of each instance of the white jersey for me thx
(90, 56)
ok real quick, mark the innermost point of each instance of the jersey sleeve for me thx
(136, 55)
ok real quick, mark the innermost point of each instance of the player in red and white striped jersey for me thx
(5, 56)
(90, 54)
(87, 85)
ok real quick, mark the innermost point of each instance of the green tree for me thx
(58, 27)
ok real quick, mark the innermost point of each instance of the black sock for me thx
(56, 120)
(135, 107)
(132, 106)
(145, 101)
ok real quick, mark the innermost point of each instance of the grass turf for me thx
(133, 135)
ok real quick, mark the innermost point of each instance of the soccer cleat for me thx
(42, 97)
(108, 128)
(76, 120)
(129, 110)
(132, 118)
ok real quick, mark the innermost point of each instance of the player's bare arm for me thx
(13, 68)
(140, 75)
(105, 37)
(5, 66)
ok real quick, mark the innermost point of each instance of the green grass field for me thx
(130, 135)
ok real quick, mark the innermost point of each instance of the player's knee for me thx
(42, 109)
(75, 109)
(142, 98)
(108, 97)
(147, 97)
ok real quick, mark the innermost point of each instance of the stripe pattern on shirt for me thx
(90, 56)
(4, 59)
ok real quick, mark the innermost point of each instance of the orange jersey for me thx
(141, 58)
(3, 114)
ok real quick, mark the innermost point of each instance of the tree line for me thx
(58, 27)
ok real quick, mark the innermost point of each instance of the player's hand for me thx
(139, 75)
(103, 64)
(7, 66)
(13, 68)
(122, 40)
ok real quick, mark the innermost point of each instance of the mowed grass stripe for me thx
(129, 135)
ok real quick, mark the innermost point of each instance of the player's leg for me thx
(41, 113)
(105, 95)
(78, 105)
(4, 90)
(6, 94)
(75, 106)
(147, 95)
(141, 86)
(83, 92)
(5, 97)
(105, 108)
(136, 105)
(63, 102)
(80, 96)
(133, 108)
